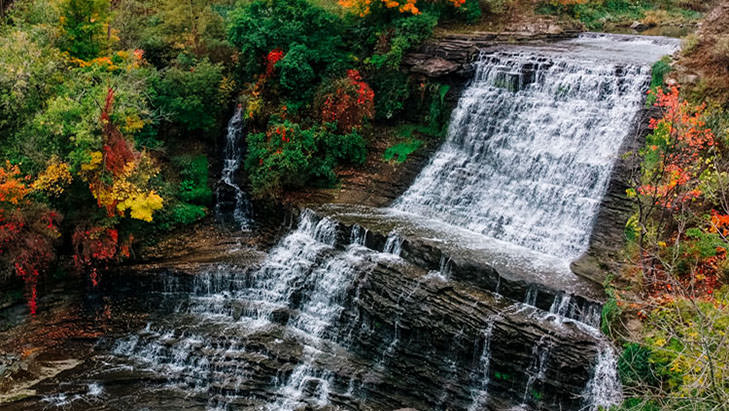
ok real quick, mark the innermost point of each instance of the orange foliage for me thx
(683, 137)
(364, 7)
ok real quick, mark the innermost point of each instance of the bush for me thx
(392, 90)
(181, 214)
(396, 39)
(287, 156)
(194, 185)
(634, 365)
(312, 34)
(192, 94)
(349, 102)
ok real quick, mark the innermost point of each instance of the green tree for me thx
(192, 94)
(85, 27)
(313, 34)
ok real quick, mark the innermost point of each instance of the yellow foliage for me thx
(54, 178)
(132, 124)
(141, 206)
(96, 159)
(128, 190)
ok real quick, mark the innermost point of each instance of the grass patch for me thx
(400, 152)
(596, 14)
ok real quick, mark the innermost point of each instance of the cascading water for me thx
(324, 321)
(239, 204)
(532, 142)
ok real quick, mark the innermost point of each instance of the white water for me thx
(480, 395)
(232, 157)
(532, 143)
(604, 388)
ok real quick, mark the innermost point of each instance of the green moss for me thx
(400, 152)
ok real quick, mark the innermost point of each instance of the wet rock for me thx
(435, 67)
(638, 26)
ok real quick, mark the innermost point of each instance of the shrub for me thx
(194, 185)
(659, 71)
(265, 25)
(348, 102)
(396, 39)
(181, 214)
(634, 365)
(392, 89)
(288, 156)
(192, 94)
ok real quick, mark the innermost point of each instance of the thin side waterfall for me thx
(604, 386)
(530, 149)
(480, 395)
(239, 204)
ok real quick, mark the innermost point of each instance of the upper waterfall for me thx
(239, 204)
(532, 142)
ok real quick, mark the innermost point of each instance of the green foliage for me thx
(502, 376)
(29, 70)
(311, 33)
(180, 214)
(399, 152)
(701, 243)
(194, 185)
(281, 159)
(658, 74)
(659, 71)
(192, 94)
(401, 36)
(84, 27)
(298, 76)
(392, 90)
(69, 126)
(634, 365)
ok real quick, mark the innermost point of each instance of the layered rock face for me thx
(326, 321)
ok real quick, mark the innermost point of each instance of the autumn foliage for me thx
(28, 230)
(350, 103)
(118, 177)
(675, 151)
(365, 7)
(96, 246)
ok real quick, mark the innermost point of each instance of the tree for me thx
(85, 28)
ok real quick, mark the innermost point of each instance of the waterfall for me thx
(323, 321)
(393, 244)
(604, 388)
(480, 395)
(532, 142)
(232, 157)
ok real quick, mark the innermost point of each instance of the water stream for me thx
(239, 205)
